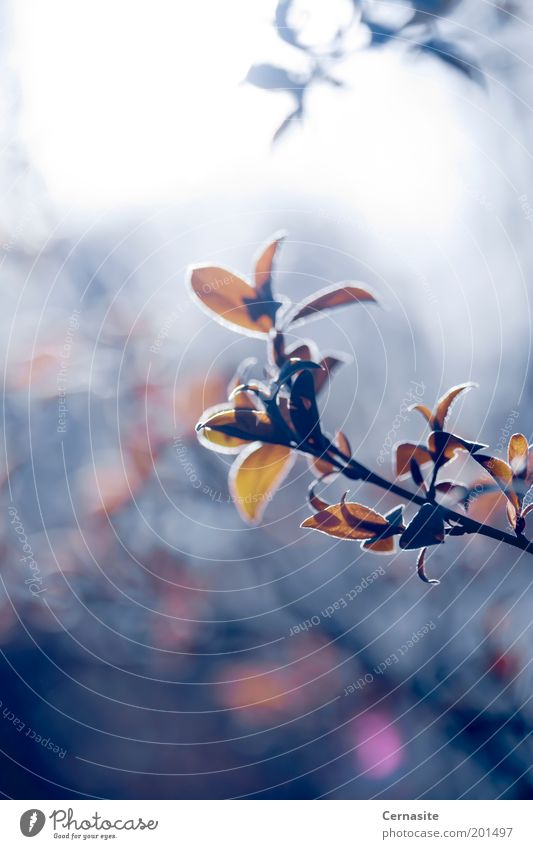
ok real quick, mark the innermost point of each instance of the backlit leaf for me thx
(426, 412)
(348, 520)
(385, 543)
(329, 364)
(248, 425)
(502, 474)
(443, 446)
(314, 500)
(333, 296)
(518, 453)
(512, 515)
(445, 403)
(456, 492)
(407, 451)
(255, 475)
(231, 300)
(264, 264)
(380, 546)
(217, 440)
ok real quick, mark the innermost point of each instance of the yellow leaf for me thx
(518, 453)
(255, 475)
(241, 424)
(217, 440)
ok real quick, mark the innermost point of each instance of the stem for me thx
(354, 470)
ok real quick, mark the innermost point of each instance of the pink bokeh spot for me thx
(379, 745)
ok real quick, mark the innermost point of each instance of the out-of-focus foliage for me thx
(418, 28)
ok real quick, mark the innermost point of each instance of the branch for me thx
(354, 470)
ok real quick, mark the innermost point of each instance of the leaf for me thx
(283, 27)
(328, 365)
(457, 492)
(247, 395)
(255, 475)
(444, 404)
(420, 568)
(333, 296)
(502, 474)
(295, 115)
(512, 515)
(426, 528)
(292, 367)
(314, 500)
(322, 466)
(416, 474)
(518, 454)
(421, 408)
(407, 451)
(348, 520)
(443, 446)
(216, 440)
(264, 264)
(242, 398)
(447, 52)
(386, 544)
(247, 425)
(270, 77)
(232, 301)
(306, 350)
(304, 411)
(395, 516)
(380, 546)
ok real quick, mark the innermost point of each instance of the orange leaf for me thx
(306, 350)
(386, 545)
(445, 403)
(518, 454)
(426, 412)
(333, 296)
(328, 365)
(314, 500)
(443, 446)
(231, 300)
(502, 474)
(512, 515)
(264, 263)
(348, 520)
(455, 491)
(242, 424)
(407, 451)
(255, 475)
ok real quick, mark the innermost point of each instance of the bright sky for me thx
(141, 101)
